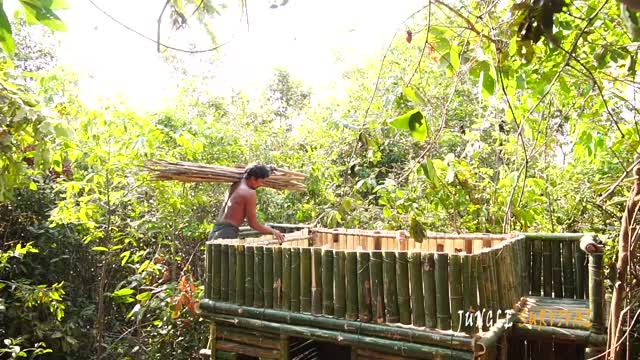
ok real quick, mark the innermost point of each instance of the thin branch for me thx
(160, 22)
(613, 187)
(470, 24)
(197, 8)
(424, 47)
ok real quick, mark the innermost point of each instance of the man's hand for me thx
(278, 235)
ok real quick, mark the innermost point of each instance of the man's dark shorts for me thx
(224, 231)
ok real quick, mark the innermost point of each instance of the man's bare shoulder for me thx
(244, 192)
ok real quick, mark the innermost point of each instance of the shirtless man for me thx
(241, 204)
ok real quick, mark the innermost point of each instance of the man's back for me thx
(234, 211)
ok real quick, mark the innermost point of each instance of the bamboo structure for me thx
(277, 277)
(417, 296)
(327, 282)
(429, 288)
(286, 279)
(340, 306)
(567, 269)
(232, 273)
(224, 273)
(455, 290)
(402, 276)
(295, 280)
(248, 271)
(267, 277)
(216, 278)
(390, 291)
(442, 291)
(351, 269)
(305, 280)
(316, 281)
(240, 274)
(364, 287)
(377, 287)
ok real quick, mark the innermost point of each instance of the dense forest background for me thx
(481, 116)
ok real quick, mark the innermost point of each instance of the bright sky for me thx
(315, 40)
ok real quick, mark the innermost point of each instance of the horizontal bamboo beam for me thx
(401, 333)
(554, 237)
(428, 235)
(560, 335)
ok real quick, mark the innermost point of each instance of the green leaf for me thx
(99, 248)
(123, 292)
(6, 37)
(487, 83)
(33, 186)
(413, 96)
(40, 11)
(413, 121)
(144, 296)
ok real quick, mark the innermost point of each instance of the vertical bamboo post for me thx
(327, 282)
(455, 290)
(417, 296)
(267, 276)
(258, 276)
(429, 286)
(316, 281)
(596, 292)
(525, 267)
(473, 260)
(339, 284)
(528, 251)
(295, 279)
(547, 269)
(248, 273)
(468, 289)
(483, 299)
(208, 256)
(305, 279)
(556, 268)
(216, 280)
(232, 273)
(240, 275)
(377, 287)
(536, 267)
(567, 269)
(513, 275)
(277, 277)
(580, 280)
(390, 289)
(442, 291)
(351, 268)
(495, 288)
(286, 278)
(224, 279)
(364, 286)
(402, 274)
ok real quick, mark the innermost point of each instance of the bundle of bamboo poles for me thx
(280, 179)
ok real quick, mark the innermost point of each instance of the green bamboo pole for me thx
(232, 273)
(305, 279)
(596, 292)
(554, 236)
(402, 274)
(248, 275)
(390, 289)
(351, 269)
(240, 275)
(483, 299)
(284, 347)
(400, 333)
(295, 279)
(567, 269)
(224, 278)
(442, 291)
(364, 287)
(316, 281)
(547, 269)
(500, 277)
(514, 275)
(580, 279)
(585, 337)
(286, 278)
(473, 259)
(267, 277)
(429, 286)
(455, 291)
(528, 252)
(377, 287)
(556, 268)
(216, 279)
(339, 284)
(277, 277)
(525, 266)
(495, 287)
(327, 282)
(258, 276)
(536, 267)
(417, 296)
(208, 288)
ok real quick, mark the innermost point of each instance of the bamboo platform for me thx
(380, 295)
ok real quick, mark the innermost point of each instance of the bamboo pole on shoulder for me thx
(276, 284)
(364, 287)
(258, 276)
(295, 279)
(429, 287)
(216, 280)
(547, 269)
(351, 269)
(402, 275)
(556, 268)
(442, 291)
(567, 269)
(327, 282)
(267, 277)
(232, 273)
(248, 273)
(224, 278)
(240, 275)
(377, 287)
(390, 289)
(417, 295)
(339, 281)
(305, 280)
(316, 281)
(455, 290)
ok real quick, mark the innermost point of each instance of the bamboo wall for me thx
(378, 283)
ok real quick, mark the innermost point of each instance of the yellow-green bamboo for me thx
(364, 287)
(232, 273)
(455, 291)
(208, 288)
(547, 269)
(267, 277)
(224, 279)
(481, 280)
(286, 278)
(442, 291)
(305, 279)
(567, 269)
(339, 281)
(258, 276)
(316, 282)
(295, 279)
(240, 275)
(417, 295)
(248, 274)
(429, 288)
(351, 269)
(402, 274)
(580, 279)
(495, 286)
(556, 269)
(390, 289)
(277, 277)
(327, 282)
(216, 273)
(528, 251)
(596, 292)
(377, 287)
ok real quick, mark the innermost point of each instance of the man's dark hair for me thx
(258, 171)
